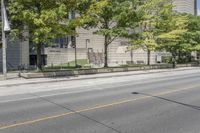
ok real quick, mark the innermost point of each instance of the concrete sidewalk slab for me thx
(12, 75)
(22, 81)
(49, 86)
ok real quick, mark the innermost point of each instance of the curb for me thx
(96, 77)
(9, 77)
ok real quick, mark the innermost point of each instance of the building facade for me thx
(17, 54)
(186, 6)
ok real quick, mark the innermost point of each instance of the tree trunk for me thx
(39, 57)
(75, 52)
(179, 57)
(132, 57)
(148, 57)
(106, 52)
(174, 59)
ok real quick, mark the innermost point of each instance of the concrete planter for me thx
(133, 68)
(105, 70)
(120, 69)
(95, 71)
(87, 71)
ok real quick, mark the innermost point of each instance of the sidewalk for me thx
(11, 75)
(13, 80)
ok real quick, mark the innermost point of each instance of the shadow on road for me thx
(169, 100)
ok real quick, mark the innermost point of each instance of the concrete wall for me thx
(118, 53)
(57, 56)
(86, 39)
(17, 54)
(13, 55)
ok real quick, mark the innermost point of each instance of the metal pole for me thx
(76, 65)
(4, 46)
(73, 40)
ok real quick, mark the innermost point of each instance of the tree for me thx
(145, 37)
(109, 18)
(43, 19)
(192, 36)
(171, 38)
(170, 28)
(190, 39)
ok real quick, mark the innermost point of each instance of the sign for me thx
(6, 25)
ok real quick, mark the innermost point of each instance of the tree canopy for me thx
(145, 36)
(110, 18)
(148, 24)
(171, 31)
(192, 36)
(43, 19)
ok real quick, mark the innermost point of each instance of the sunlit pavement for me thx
(162, 102)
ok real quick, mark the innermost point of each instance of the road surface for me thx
(167, 102)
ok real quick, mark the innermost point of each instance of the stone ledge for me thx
(91, 71)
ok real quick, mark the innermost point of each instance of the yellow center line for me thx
(91, 109)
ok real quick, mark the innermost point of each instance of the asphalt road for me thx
(166, 102)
